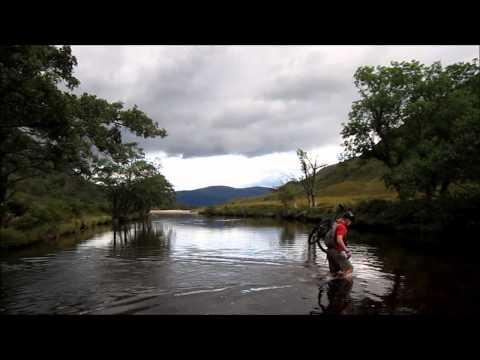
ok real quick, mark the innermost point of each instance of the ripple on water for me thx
(246, 291)
(202, 291)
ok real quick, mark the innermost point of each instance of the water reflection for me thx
(338, 296)
(140, 241)
(288, 233)
(142, 234)
(391, 300)
(311, 257)
(335, 296)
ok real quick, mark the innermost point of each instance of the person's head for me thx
(348, 217)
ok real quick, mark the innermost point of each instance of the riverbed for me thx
(185, 263)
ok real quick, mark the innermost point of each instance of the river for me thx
(190, 264)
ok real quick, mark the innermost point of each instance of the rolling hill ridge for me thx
(215, 195)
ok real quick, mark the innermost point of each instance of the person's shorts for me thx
(337, 261)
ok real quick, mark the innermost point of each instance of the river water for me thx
(189, 264)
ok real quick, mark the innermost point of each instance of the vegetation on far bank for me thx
(43, 209)
(358, 184)
(457, 215)
(69, 145)
(15, 238)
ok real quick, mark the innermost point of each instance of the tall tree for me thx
(132, 186)
(421, 121)
(151, 192)
(44, 128)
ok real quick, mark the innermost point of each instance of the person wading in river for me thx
(339, 255)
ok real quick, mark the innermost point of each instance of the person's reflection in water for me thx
(391, 300)
(338, 295)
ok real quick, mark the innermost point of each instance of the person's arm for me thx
(342, 245)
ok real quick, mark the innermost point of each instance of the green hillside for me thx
(348, 182)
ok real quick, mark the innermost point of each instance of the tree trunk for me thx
(3, 198)
(114, 207)
(307, 193)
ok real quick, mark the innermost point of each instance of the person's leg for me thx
(332, 261)
(344, 264)
(348, 269)
(348, 272)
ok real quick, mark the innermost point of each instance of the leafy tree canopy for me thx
(133, 186)
(421, 121)
(44, 128)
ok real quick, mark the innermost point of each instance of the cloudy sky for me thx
(236, 114)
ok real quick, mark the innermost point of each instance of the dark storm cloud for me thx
(306, 87)
(234, 100)
(250, 132)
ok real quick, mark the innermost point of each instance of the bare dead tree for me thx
(310, 169)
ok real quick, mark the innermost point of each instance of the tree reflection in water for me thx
(288, 234)
(143, 235)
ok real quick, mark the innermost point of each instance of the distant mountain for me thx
(215, 195)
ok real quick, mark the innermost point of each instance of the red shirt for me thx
(341, 230)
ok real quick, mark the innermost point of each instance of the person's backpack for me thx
(329, 237)
(324, 233)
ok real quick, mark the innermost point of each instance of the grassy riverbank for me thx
(42, 209)
(14, 238)
(449, 214)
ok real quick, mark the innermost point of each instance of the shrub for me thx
(10, 237)
(17, 207)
